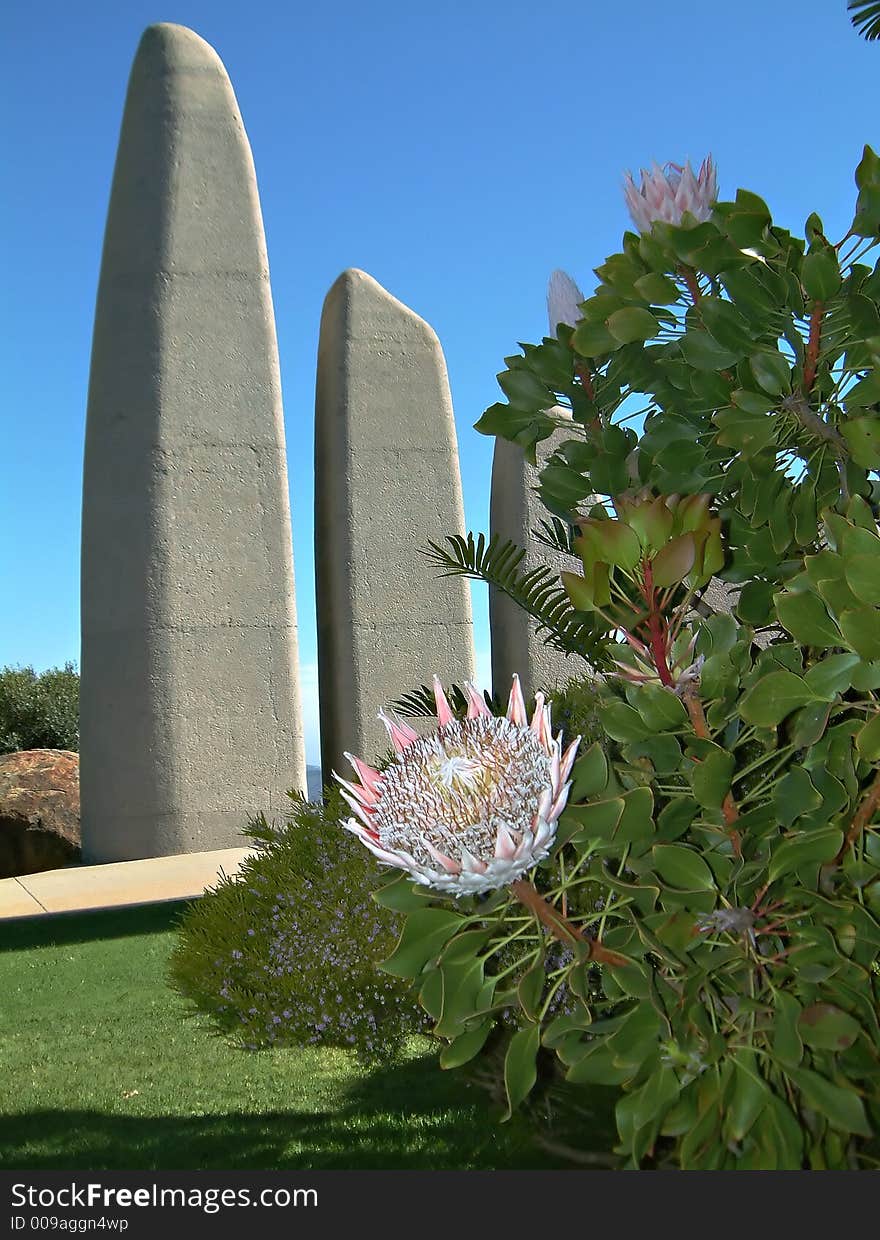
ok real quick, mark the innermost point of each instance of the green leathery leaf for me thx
(682, 867)
(774, 696)
(703, 352)
(523, 389)
(424, 934)
(462, 1049)
(805, 617)
(826, 1027)
(674, 561)
(531, 987)
(520, 1071)
(794, 795)
(726, 325)
(622, 723)
(660, 709)
(843, 1108)
(868, 740)
(805, 848)
(597, 1067)
(657, 288)
(632, 323)
(592, 339)
(863, 577)
(772, 372)
(832, 675)
(710, 777)
(787, 1045)
(598, 820)
(862, 436)
(820, 275)
(861, 628)
(589, 774)
(612, 542)
(750, 1094)
(402, 895)
(676, 817)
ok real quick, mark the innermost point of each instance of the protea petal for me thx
(368, 776)
(516, 707)
(476, 702)
(568, 759)
(444, 711)
(505, 844)
(402, 735)
(366, 796)
(450, 866)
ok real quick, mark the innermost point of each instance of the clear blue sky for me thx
(458, 152)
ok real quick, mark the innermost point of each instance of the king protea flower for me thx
(666, 193)
(470, 807)
(563, 301)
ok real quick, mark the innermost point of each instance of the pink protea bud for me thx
(666, 193)
(563, 301)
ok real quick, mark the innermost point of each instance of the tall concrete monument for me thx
(514, 511)
(190, 707)
(386, 483)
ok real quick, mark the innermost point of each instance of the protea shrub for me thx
(713, 869)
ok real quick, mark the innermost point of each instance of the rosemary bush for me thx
(285, 953)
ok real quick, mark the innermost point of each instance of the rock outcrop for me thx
(39, 811)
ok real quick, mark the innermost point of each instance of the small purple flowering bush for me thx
(286, 953)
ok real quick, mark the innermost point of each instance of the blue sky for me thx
(456, 152)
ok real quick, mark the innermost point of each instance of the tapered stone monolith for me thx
(514, 512)
(386, 483)
(190, 711)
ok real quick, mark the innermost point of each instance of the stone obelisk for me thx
(386, 483)
(514, 512)
(190, 708)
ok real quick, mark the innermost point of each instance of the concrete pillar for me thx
(514, 511)
(190, 710)
(386, 482)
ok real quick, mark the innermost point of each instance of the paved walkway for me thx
(84, 888)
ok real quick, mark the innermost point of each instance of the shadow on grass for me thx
(62, 929)
(441, 1126)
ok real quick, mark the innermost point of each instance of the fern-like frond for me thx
(537, 591)
(420, 703)
(557, 535)
(865, 17)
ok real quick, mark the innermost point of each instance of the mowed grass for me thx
(100, 1068)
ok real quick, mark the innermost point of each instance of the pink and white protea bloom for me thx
(563, 301)
(666, 193)
(470, 807)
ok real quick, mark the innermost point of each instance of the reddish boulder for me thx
(39, 811)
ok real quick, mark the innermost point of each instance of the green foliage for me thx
(39, 711)
(865, 17)
(284, 954)
(719, 856)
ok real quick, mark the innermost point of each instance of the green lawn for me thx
(101, 1069)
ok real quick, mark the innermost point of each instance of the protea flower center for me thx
(461, 786)
(473, 805)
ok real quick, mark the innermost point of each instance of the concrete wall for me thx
(190, 696)
(514, 512)
(386, 482)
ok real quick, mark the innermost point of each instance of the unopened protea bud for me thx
(563, 301)
(666, 193)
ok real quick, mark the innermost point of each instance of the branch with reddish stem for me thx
(862, 818)
(690, 278)
(560, 927)
(657, 632)
(728, 806)
(811, 361)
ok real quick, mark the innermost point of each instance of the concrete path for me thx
(87, 888)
